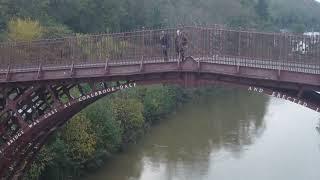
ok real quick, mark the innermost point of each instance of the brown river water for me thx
(231, 136)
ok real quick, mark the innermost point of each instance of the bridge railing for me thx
(130, 47)
(264, 50)
(211, 44)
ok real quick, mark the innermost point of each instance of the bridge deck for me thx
(234, 61)
(207, 45)
(42, 82)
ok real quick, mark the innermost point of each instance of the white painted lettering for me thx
(279, 95)
(284, 96)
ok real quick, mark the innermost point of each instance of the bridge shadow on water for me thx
(224, 121)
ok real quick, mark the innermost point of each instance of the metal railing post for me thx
(239, 50)
(143, 45)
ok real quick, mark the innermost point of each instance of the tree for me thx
(262, 9)
(24, 30)
(56, 30)
(79, 137)
(129, 112)
(298, 28)
(44, 157)
(107, 129)
(158, 102)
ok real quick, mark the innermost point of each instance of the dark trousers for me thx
(165, 53)
(180, 53)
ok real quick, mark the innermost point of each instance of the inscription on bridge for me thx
(16, 137)
(84, 98)
(280, 95)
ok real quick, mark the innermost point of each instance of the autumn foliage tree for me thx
(24, 30)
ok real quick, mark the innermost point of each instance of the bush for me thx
(79, 137)
(158, 102)
(129, 112)
(24, 30)
(107, 129)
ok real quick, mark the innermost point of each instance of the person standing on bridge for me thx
(164, 40)
(181, 44)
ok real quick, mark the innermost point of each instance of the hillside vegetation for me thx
(89, 16)
(105, 127)
(293, 13)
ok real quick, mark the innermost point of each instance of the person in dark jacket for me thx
(181, 44)
(164, 40)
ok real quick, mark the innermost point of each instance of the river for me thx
(230, 136)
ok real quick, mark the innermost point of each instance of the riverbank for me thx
(105, 129)
(229, 135)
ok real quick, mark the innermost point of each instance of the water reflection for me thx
(230, 135)
(183, 144)
(228, 121)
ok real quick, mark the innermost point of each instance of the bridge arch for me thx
(19, 150)
(37, 94)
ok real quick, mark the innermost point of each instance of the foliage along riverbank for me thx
(103, 129)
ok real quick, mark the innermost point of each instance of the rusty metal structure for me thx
(44, 83)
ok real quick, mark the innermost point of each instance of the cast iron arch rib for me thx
(43, 109)
(41, 113)
(34, 93)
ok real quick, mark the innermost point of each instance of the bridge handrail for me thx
(145, 44)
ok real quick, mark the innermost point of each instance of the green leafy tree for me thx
(129, 112)
(79, 137)
(56, 30)
(107, 129)
(158, 102)
(44, 158)
(262, 9)
(298, 28)
(62, 166)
